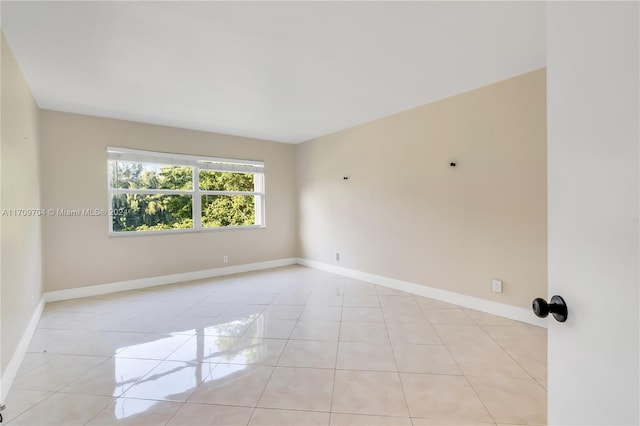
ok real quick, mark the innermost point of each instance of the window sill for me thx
(184, 231)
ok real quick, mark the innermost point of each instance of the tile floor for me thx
(287, 346)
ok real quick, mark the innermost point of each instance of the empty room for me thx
(320, 213)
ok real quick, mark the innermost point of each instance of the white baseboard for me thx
(488, 306)
(18, 355)
(96, 290)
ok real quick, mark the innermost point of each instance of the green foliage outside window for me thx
(141, 212)
(227, 210)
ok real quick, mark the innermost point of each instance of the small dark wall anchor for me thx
(452, 164)
(345, 177)
(557, 307)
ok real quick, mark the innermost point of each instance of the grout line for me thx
(510, 356)
(335, 365)
(538, 382)
(4, 407)
(52, 393)
(276, 363)
(465, 377)
(395, 361)
(182, 404)
(113, 399)
(480, 399)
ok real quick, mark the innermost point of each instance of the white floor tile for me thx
(287, 346)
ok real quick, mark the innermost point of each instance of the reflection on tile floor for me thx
(287, 346)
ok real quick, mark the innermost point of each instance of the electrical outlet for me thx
(337, 256)
(225, 259)
(496, 286)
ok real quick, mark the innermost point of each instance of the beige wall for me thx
(79, 251)
(404, 213)
(21, 260)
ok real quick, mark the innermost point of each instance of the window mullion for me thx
(229, 193)
(145, 191)
(197, 199)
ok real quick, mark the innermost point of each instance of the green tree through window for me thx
(227, 210)
(148, 196)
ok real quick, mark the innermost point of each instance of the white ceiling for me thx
(285, 71)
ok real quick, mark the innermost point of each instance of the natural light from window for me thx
(156, 192)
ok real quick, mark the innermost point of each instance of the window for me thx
(152, 191)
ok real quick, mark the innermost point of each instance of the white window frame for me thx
(197, 163)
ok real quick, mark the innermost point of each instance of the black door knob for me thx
(557, 307)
